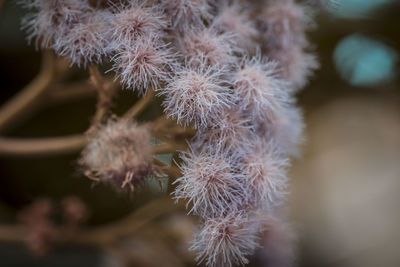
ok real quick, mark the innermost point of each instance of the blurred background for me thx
(344, 202)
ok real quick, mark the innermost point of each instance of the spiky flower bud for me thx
(119, 154)
(227, 240)
(208, 46)
(229, 133)
(52, 19)
(133, 22)
(186, 14)
(264, 167)
(233, 19)
(86, 42)
(262, 94)
(143, 65)
(210, 183)
(196, 94)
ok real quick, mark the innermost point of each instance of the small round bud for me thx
(119, 154)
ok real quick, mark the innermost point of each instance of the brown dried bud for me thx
(40, 228)
(120, 153)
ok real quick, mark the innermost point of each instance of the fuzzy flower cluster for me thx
(229, 69)
(120, 153)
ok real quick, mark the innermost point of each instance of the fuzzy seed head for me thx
(227, 241)
(196, 94)
(259, 90)
(52, 19)
(283, 23)
(210, 184)
(296, 65)
(119, 154)
(208, 46)
(143, 65)
(264, 167)
(86, 42)
(236, 21)
(232, 132)
(187, 14)
(132, 22)
(286, 130)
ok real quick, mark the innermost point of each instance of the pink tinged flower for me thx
(143, 65)
(286, 130)
(86, 42)
(132, 22)
(119, 154)
(210, 184)
(196, 94)
(186, 14)
(297, 65)
(52, 19)
(232, 132)
(208, 46)
(258, 88)
(277, 244)
(233, 19)
(264, 167)
(227, 240)
(283, 23)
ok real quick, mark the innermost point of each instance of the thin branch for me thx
(165, 148)
(106, 90)
(101, 235)
(161, 123)
(129, 225)
(171, 171)
(41, 146)
(140, 105)
(65, 92)
(21, 103)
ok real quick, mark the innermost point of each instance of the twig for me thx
(102, 235)
(165, 148)
(41, 146)
(140, 105)
(161, 123)
(25, 100)
(172, 171)
(106, 90)
(65, 92)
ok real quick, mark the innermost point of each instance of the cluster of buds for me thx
(228, 69)
(42, 231)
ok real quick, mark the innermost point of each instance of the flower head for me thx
(52, 19)
(120, 154)
(283, 23)
(233, 19)
(144, 64)
(227, 240)
(296, 65)
(209, 46)
(185, 14)
(286, 129)
(210, 184)
(196, 94)
(264, 167)
(86, 42)
(134, 21)
(259, 90)
(232, 132)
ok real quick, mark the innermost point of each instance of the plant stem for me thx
(22, 103)
(140, 106)
(106, 90)
(41, 146)
(172, 171)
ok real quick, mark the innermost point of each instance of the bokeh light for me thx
(357, 8)
(363, 61)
